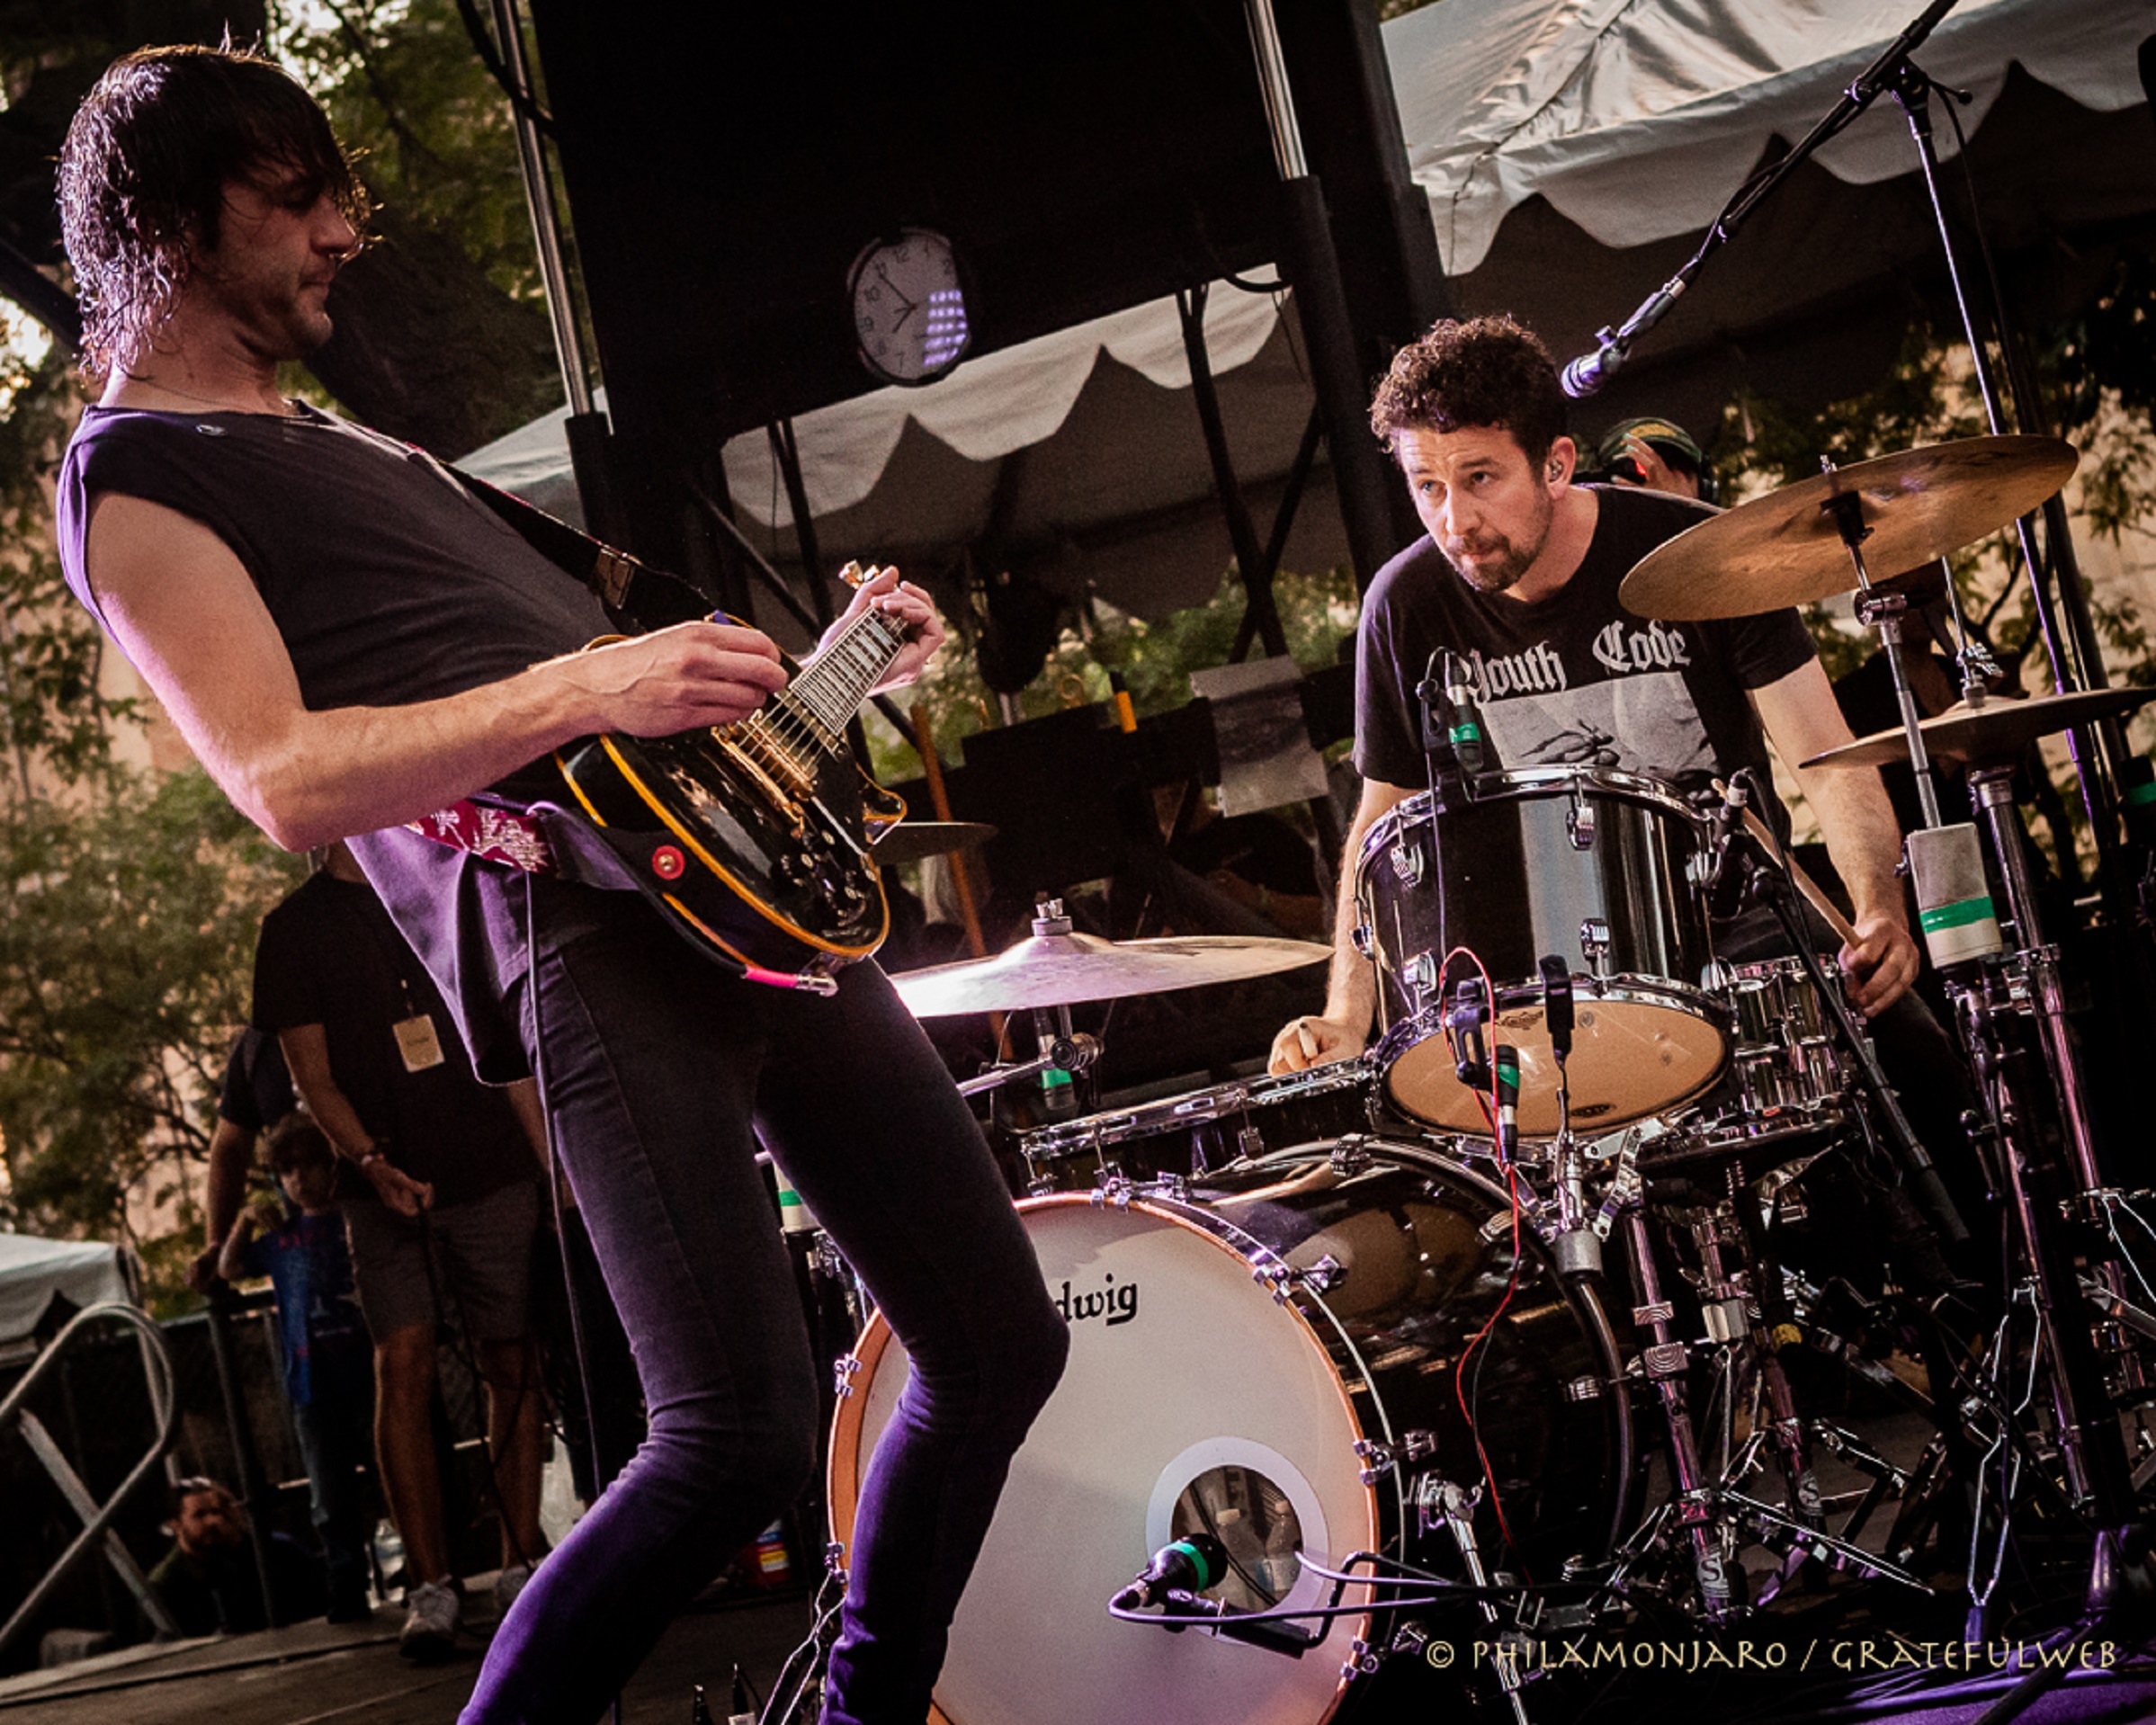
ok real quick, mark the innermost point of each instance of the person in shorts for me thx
(440, 1196)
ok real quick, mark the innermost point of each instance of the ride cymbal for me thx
(1786, 548)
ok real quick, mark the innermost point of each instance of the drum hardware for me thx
(1765, 877)
(1663, 1361)
(1454, 1506)
(1503, 878)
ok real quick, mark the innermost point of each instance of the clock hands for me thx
(911, 306)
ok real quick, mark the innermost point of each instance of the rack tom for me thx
(1597, 868)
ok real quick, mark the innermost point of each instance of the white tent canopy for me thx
(1632, 121)
(1638, 119)
(31, 1271)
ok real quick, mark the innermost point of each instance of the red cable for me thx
(1490, 1105)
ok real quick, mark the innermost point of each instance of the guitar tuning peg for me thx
(855, 575)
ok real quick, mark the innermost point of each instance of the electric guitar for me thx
(755, 837)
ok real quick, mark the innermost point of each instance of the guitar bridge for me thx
(781, 780)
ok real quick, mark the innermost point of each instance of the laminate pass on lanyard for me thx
(418, 1043)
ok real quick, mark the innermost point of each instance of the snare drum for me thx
(1275, 1360)
(1596, 868)
(1203, 1130)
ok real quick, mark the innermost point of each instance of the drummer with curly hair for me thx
(1519, 575)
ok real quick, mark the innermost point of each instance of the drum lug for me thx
(1326, 1273)
(1270, 1273)
(1594, 943)
(1364, 938)
(1362, 1660)
(1407, 862)
(842, 1372)
(1419, 975)
(1114, 1189)
(1378, 1460)
(1349, 1157)
(1580, 820)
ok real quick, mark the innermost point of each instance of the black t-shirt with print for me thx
(1575, 678)
(329, 955)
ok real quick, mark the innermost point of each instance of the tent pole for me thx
(589, 447)
(1312, 266)
(1242, 532)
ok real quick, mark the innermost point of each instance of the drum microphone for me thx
(1194, 1562)
(1466, 734)
(1507, 1061)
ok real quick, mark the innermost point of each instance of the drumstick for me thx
(1805, 884)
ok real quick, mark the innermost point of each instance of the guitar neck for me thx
(833, 683)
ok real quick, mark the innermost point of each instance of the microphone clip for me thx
(1464, 1031)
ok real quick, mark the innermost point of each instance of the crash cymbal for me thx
(1784, 548)
(1062, 970)
(1999, 730)
(909, 841)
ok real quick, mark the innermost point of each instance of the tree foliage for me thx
(1155, 659)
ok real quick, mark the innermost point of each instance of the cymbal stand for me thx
(2019, 1096)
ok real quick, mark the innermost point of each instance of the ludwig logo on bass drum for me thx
(1116, 1305)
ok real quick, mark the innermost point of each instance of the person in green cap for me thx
(1655, 455)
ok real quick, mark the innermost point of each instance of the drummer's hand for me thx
(1313, 1042)
(1881, 964)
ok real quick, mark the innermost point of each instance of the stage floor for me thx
(314, 1672)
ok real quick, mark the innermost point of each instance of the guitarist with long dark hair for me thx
(342, 632)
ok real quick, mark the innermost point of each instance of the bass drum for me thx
(1234, 1360)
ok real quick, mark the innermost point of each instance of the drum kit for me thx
(1488, 1333)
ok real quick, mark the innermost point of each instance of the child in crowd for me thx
(328, 1357)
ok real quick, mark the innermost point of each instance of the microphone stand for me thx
(1613, 348)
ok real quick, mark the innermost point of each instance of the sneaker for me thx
(508, 1584)
(431, 1610)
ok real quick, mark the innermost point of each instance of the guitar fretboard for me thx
(832, 685)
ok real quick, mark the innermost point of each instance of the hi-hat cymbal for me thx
(1784, 548)
(1063, 970)
(1999, 730)
(909, 841)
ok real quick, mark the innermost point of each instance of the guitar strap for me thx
(638, 598)
(539, 837)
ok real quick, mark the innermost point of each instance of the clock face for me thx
(909, 312)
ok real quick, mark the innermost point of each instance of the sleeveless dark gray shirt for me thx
(390, 584)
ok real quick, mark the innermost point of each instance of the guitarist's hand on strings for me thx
(912, 607)
(691, 675)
